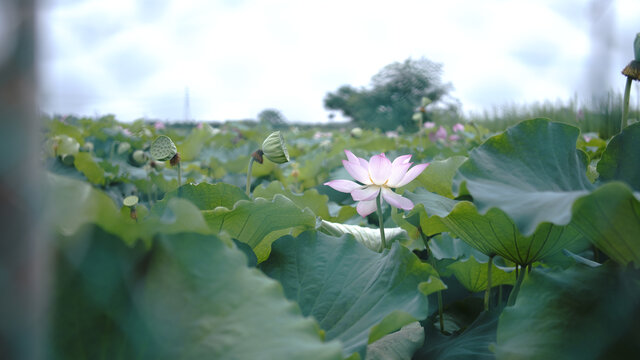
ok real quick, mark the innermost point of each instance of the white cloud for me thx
(237, 58)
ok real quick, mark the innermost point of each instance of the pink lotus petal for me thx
(454, 137)
(379, 169)
(365, 208)
(345, 186)
(403, 159)
(441, 133)
(365, 194)
(352, 158)
(412, 174)
(364, 163)
(396, 200)
(458, 127)
(398, 171)
(429, 125)
(357, 172)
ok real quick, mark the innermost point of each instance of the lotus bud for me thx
(139, 157)
(123, 148)
(163, 149)
(274, 148)
(356, 132)
(87, 147)
(67, 146)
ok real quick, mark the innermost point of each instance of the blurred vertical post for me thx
(23, 257)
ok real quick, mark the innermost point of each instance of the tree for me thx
(395, 92)
(272, 117)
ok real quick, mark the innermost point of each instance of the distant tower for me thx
(187, 110)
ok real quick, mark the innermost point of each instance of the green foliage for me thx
(579, 313)
(395, 93)
(347, 287)
(184, 276)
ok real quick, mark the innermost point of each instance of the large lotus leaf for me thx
(260, 222)
(494, 233)
(621, 158)
(85, 164)
(91, 299)
(473, 275)
(309, 199)
(532, 171)
(578, 313)
(438, 176)
(348, 288)
(209, 196)
(473, 343)
(610, 218)
(399, 345)
(72, 203)
(366, 236)
(197, 299)
(427, 211)
(202, 301)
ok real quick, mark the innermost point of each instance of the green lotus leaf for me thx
(474, 342)
(610, 218)
(438, 176)
(473, 275)
(494, 233)
(399, 345)
(209, 196)
(578, 313)
(368, 237)
(309, 199)
(85, 164)
(191, 297)
(346, 287)
(621, 158)
(532, 171)
(260, 222)
(162, 148)
(72, 204)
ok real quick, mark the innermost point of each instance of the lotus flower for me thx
(378, 175)
(458, 127)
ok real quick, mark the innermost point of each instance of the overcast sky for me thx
(137, 58)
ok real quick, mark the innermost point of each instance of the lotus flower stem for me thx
(487, 293)
(179, 176)
(248, 189)
(625, 104)
(516, 288)
(381, 221)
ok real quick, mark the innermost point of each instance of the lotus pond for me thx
(522, 244)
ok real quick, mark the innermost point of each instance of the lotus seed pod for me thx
(274, 148)
(417, 116)
(87, 147)
(636, 47)
(139, 157)
(130, 201)
(163, 149)
(123, 148)
(356, 132)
